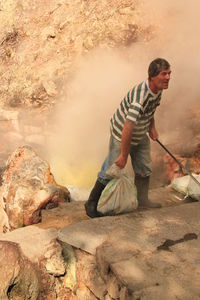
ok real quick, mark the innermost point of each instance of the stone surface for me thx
(149, 254)
(63, 215)
(85, 235)
(28, 186)
(166, 196)
(131, 251)
(74, 212)
(29, 236)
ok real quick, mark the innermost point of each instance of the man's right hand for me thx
(121, 161)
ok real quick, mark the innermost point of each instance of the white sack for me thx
(119, 195)
(187, 186)
(180, 184)
(194, 188)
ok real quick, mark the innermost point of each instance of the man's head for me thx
(159, 74)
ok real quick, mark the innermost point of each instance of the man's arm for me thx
(125, 144)
(152, 130)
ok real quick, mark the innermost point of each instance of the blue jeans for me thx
(140, 158)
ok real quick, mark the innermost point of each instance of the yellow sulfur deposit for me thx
(82, 175)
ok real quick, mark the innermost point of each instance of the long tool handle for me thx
(185, 171)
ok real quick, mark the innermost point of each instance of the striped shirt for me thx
(139, 106)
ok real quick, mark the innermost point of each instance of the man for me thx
(129, 127)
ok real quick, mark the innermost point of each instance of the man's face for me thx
(161, 81)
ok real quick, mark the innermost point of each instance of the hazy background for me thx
(102, 79)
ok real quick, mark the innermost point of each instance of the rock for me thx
(84, 294)
(113, 288)
(4, 223)
(107, 297)
(78, 44)
(53, 260)
(88, 43)
(18, 277)
(28, 186)
(28, 236)
(126, 11)
(48, 32)
(70, 280)
(88, 277)
(50, 88)
(39, 249)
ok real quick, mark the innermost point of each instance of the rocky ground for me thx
(67, 255)
(40, 42)
(147, 254)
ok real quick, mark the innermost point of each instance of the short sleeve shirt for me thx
(139, 106)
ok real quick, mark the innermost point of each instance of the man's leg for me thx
(103, 179)
(91, 204)
(142, 165)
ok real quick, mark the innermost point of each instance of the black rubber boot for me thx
(142, 185)
(91, 204)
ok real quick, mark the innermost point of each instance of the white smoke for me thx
(104, 77)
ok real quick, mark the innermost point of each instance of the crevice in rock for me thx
(92, 293)
(10, 289)
(168, 243)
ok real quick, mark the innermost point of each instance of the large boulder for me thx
(27, 187)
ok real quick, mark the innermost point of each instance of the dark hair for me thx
(156, 66)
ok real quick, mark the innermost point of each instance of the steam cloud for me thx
(104, 77)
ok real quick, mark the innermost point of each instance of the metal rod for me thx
(185, 171)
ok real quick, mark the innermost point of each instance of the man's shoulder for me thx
(139, 87)
(141, 84)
